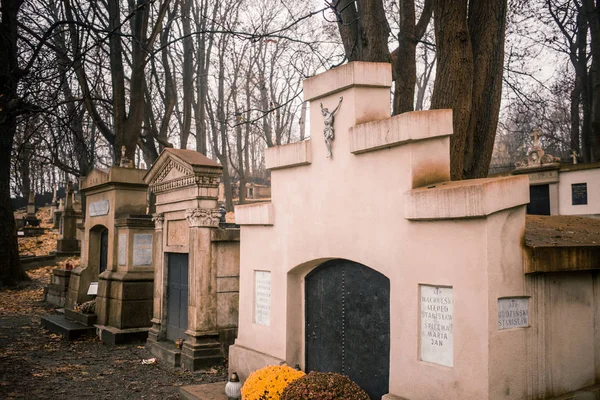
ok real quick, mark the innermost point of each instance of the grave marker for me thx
(437, 325)
(262, 298)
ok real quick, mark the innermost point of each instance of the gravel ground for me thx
(36, 364)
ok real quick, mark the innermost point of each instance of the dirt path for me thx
(35, 364)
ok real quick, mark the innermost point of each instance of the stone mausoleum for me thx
(196, 263)
(424, 293)
(116, 256)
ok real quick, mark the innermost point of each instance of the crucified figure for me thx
(328, 130)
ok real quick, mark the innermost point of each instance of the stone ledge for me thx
(466, 199)
(400, 129)
(255, 214)
(244, 361)
(288, 155)
(356, 73)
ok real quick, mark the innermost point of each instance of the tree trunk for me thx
(453, 87)
(364, 30)
(187, 72)
(487, 27)
(404, 62)
(11, 271)
(593, 141)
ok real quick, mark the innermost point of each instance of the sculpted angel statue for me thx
(328, 129)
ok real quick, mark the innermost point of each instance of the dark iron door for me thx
(103, 250)
(177, 296)
(348, 324)
(539, 200)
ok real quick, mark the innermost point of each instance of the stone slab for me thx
(288, 155)
(255, 214)
(367, 74)
(400, 129)
(65, 327)
(165, 351)
(142, 249)
(84, 319)
(115, 336)
(207, 391)
(244, 361)
(465, 199)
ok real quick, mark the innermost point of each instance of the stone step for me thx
(208, 391)
(68, 328)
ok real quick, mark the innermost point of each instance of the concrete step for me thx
(68, 328)
(208, 391)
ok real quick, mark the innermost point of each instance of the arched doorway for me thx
(347, 317)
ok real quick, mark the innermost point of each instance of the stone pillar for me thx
(67, 242)
(202, 346)
(156, 332)
(58, 214)
(30, 218)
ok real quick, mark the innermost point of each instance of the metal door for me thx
(539, 200)
(177, 296)
(347, 314)
(103, 250)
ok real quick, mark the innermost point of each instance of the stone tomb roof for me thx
(176, 168)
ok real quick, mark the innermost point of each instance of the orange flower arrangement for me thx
(268, 383)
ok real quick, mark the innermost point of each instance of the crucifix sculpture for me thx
(328, 129)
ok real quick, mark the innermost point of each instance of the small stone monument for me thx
(53, 205)
(31, 220)
(536, 157)
(67, 242)
(574, 156)
(60, 207)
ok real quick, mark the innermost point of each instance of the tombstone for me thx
(31, 219)
(58, 214)
(53, 204)
(196, 263)
(67, 242)
(398, 292)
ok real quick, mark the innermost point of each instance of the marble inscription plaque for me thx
(513, 312)
(262, 297)
(99, 208)
(437, 325)
(122, 248)
(142, 249)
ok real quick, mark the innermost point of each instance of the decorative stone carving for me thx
(574, 156)
(328, 129)
(201, 217)
(158, 220)
(125, 162)
(536, 157)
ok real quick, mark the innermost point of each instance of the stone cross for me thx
(535, 134)
(328, 130)
(574, 156)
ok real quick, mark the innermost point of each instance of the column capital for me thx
(158, 220)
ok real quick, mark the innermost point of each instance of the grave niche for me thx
(196, 263)
(115, 220)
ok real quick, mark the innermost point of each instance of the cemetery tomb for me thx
(559, 189)
(196, 263)
(422, 293)
(116, 255)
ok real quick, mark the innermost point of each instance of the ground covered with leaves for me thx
(35, 364)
